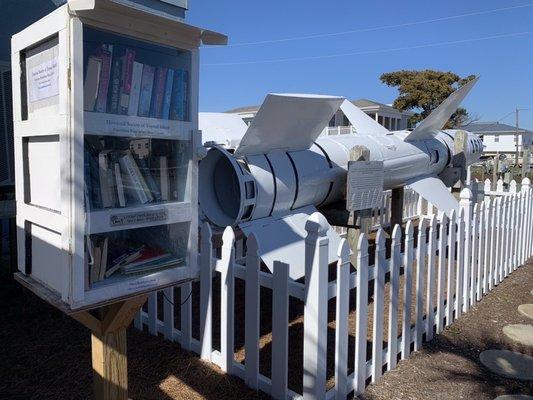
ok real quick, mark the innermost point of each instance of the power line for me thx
(378, 28)
(389, 50)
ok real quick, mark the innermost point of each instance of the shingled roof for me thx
(492, 127)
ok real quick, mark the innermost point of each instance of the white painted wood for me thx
(431, 273)
(441, 274)
(487, 241)
(474, 251)
(493, 243)
(227, 299)
(186, 315)
(408, 288)
(450, 286)
(467, 205)
(420, 283)
(252, 312)
(137, 321)
(315, 307)
(152, 313)
(361, 315)
(460, 264)
(377, 323)
(507, 240)
(499, 240)
(341, 318)
(395, 264)
(480, 251)
(206, 293)
(168, 312)
(280, 330)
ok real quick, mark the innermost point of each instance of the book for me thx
(136, 77)
(126, 80)
(164, 178)
(179, 102)
(158, 92)
(103, 259)
(127, 255)
(107, 182)
(185, 96)
(134, 182)
(149, 179)
(165, 109)
(147, 255)
(114, 95)
(145, 97)
(120, 186)
(92, 80)
(106, 54)
(95, 267)
(158, 263)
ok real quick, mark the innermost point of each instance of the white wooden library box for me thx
(106, 138)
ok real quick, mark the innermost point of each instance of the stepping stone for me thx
(526, 309)
(514, 397)
(520, 333)
(508, 364)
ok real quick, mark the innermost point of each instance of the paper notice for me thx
(364, 185)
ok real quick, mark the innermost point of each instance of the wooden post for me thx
(495, 168)
(358, 153)
(396, 217)
(108, 340)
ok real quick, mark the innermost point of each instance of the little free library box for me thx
(106, 143)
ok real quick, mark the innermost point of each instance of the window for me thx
(380, 120)
(332, 122)
(496, 138)
(387, 122)
(372, 115)
(345, 121)
(393, 124)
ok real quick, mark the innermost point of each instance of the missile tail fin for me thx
(433, 190)
(438, 117)
(361, 121)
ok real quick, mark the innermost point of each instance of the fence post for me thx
(432, 257)
(379, 287)
(152, 313)
(420, 274)
(480, 250)
(499, 186)
(280, 330)
(227, 299)
(493, 242)
(466, 204)
(361, 319)
(441, 273)
(499, 236)
(395, 264)
(524, 233)
(451, 268)
(206, 292)
(474, 252)
(486, 255)
(168, 312)
(252, 312)
(460, 263)
(487, 188)
(315, 307)
(342, 309)
(408, 273)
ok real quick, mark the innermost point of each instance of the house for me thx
(500, 138)
(384, 114)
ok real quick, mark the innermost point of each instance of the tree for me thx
(423, 91)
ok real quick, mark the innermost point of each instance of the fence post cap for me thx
(526, 182)
(317, 224)
(466, 194)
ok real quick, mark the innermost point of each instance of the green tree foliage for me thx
(423, 91)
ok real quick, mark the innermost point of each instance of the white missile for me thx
(281, 170)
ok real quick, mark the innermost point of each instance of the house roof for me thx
(492, 127)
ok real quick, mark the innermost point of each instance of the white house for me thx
(500, 138)
(384, 114)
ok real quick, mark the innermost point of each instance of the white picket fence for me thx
(456, 261)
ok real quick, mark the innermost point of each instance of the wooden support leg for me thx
(109, 351)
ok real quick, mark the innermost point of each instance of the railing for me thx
(456, 262)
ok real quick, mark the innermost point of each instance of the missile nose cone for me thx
(317, 224)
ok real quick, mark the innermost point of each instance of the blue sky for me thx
(505, 64)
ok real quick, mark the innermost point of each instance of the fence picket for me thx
(252, 312)
(441, 274)
(395, 264)
(206, 292)
(361, 314)
(432, 258)
(487, 241)
(420, 283)
(466, 204)
(379, 287)
(480, 251)
(407, 292)
(152, 313)
(460, 263)
(227, 298)
(186, 315)
(280, 330)
(451, 268)
(341, 318)
(499, 242)
(474, 251)
(168, 312)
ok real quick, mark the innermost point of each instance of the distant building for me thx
(500, 138)
(384, 114)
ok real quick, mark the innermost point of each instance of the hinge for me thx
(68, 77)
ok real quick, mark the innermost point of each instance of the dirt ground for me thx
(46, 355)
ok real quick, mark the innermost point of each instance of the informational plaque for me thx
(364, 185)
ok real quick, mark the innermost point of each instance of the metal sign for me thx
(364, 185)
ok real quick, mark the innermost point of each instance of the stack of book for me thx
(116, 83)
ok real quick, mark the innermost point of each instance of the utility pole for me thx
(516, 137)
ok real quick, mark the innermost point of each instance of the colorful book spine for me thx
(179, 101)
(126, 78)
(114, 97)
(92, 78)
(136, 183)
(158, 92)
(147, 84)
(136, 78)
(105, 76)
(168, 94)
(185, 96)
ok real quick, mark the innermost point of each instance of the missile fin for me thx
(438, 117)
(433, 190)
(221, 128)
(288, 122)
(361, 121)
(283, 239)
